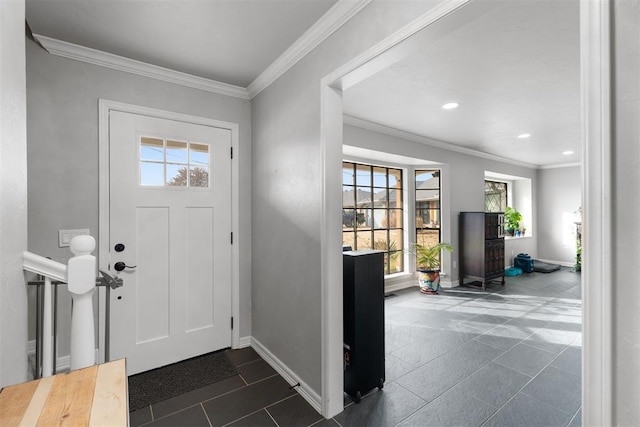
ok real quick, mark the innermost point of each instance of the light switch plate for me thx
(65, 236)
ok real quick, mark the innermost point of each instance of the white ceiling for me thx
(230, 41)
(514, 69)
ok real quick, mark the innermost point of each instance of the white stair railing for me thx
(80, 277)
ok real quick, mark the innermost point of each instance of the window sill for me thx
(395, 282)
(397, 277)
(517, 237)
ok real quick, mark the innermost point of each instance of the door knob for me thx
(119, 266)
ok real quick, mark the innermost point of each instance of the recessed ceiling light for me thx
(450, 106)
(524, 135)
(567, 153)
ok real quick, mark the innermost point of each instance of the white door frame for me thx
(596, 176)
(105, 106)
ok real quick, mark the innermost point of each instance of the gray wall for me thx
(559, 197)
(13, 194)
(465, 185)
(62, 119)
(626, 203)
(287, 190)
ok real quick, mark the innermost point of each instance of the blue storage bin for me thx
(512, 271)
(524, 262)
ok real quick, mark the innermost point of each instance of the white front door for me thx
(170, 224)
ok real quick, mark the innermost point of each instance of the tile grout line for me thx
(205, 414)
(524, 386)
(486, 364)
(247, 363)
(193, 405)
(417, 409)
(271, 416)
(243, 380)
(243, 417)
(258, 410)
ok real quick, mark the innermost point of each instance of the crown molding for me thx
(561, 165)
(328, 24)
(120, 63)
(386, 130)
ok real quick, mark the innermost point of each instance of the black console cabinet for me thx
(481, 246)
(363, 311)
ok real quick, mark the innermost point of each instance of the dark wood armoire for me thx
(481, 247)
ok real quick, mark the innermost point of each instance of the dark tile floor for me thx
(510, 356)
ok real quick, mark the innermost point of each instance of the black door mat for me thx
(172, 380)
(545, 267)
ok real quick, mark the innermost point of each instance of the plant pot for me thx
(429, 281)
(508, 231)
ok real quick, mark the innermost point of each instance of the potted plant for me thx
(428, 266)
(512, 220)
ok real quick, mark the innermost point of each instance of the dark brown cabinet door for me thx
(481, 246)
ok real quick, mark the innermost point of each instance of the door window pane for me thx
(176, 175)
(152, 174)
(172, 163)
(151, 149)
(198, 176)
(176, 152)
(199, 154)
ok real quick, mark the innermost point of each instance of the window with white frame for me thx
(170, 163)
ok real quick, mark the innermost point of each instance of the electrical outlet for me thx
(65, 236)
(455, 264)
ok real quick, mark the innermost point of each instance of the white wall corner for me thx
(329, 23)
(598, 349)
(289, 376)
(244, 342)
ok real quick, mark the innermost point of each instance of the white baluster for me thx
(81, 278)
(47, 331)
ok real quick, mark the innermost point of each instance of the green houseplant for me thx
(512, 220)
(428, 266)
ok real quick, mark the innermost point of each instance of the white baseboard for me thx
(562, 263)
(304, 390)
(63, 363)
(399, 285)
(413, 283)
(450, 285)
(244, 342)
